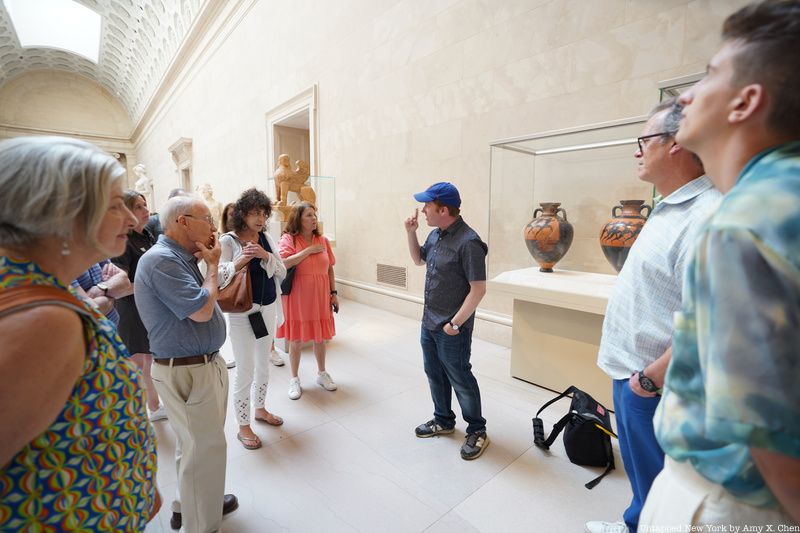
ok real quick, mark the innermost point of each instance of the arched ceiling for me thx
(139, 39)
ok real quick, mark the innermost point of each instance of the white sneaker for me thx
(295, 390)
(605, 527)
(275, 358)
(325, 381)
(158, 414)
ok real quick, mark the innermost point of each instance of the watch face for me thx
(102, 286)
(647, 383)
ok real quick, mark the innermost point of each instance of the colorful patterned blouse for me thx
(732, 383)
(94, 468)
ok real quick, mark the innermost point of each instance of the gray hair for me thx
(175, 207)
(671, 119)
(52, 186)
(671, 122)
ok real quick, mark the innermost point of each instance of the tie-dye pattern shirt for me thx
(732, 383)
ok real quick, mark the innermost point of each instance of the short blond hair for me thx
(52, 186)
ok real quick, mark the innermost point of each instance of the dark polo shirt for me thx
(168, 289)
(454, 257)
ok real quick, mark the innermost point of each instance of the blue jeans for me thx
(447, 366)
(638, 446)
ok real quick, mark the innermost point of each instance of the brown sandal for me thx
(272, 420)
(250, 443)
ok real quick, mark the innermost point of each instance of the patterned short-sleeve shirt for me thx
(94, 468)
(732, 382)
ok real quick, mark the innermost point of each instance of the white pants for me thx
(251, 353)
(196, 398)
(681, 498)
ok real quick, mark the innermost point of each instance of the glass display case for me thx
(588, 170)
(325, 191)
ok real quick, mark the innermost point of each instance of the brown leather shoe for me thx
(229, 504)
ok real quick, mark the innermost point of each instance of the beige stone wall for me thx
(52, 100)
(412, 92)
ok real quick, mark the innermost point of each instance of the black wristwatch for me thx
(454, 326)
(103, 287)
(647, 383)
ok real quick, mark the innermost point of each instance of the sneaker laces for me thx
(472, 439)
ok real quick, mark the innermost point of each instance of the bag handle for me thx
(570, 390)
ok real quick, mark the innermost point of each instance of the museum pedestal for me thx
(557, 324)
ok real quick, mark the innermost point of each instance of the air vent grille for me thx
(392, 275)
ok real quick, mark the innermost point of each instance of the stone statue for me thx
(292, 180)
(214, 206)
(143, 185)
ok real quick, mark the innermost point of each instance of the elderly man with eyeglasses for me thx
(178, 306)
(635, 347)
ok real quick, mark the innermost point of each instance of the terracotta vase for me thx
(619, 233)
(548, 236)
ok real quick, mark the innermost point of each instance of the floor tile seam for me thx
(377, 451)
(364, 407)
(381, 401)
(483, 485)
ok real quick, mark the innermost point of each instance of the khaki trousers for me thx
(682, 500)
(196, 397)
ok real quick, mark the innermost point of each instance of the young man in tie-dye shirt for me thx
(729, 419)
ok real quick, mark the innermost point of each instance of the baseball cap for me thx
(443, 192)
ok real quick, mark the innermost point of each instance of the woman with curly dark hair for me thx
(251, 332)
(309, 306)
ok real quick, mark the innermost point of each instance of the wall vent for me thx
(392, 275)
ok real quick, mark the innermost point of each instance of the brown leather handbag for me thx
(237, 296)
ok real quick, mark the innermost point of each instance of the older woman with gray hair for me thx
(77, 451)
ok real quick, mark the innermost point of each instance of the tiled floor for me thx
(349, 461)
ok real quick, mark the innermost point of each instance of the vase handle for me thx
(537, 210)
(563, 211)
(614, 211)
(649, 210)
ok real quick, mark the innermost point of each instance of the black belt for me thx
(190, 360)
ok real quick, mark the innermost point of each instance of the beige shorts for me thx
(681, 500)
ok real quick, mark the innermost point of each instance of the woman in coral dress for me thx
(309, 307)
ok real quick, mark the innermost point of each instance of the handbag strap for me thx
(538, 426)
(27, 296)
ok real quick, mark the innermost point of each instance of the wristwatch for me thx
(454, 326)
(103, 287)
(647, 383)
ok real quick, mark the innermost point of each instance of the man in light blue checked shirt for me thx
(637, 331)
(729, 420)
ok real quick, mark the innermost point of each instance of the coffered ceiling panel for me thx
(139, 39)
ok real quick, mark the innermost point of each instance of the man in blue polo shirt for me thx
(178, 306)
(729, 421)
(455, 282)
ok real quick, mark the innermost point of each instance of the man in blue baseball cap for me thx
(455, 282)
